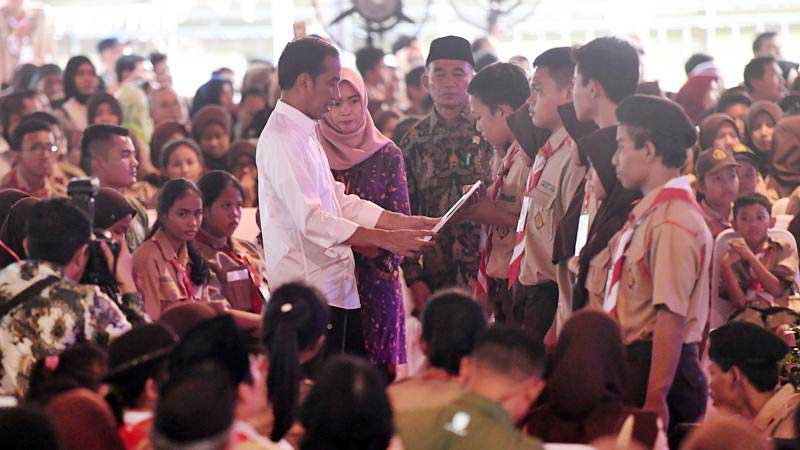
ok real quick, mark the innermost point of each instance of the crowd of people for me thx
(629, 260)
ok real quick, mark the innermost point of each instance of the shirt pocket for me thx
(597, 275)
(636, 278)
(540, 216)
(169, 293)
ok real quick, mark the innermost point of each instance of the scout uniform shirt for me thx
(666, 264)
(441, 160)
(510, 199)
(159, 275)
(239, 274)
(776, 418)
(15, 180)
(780, 259)
(549, 200)
(716, 223)
(470, 422)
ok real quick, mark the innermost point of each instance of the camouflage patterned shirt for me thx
(441, 160)
(62, 314)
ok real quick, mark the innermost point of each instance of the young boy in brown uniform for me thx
(658, 284)
(551, 184)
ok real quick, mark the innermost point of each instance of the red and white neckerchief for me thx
(482, 286)
(185, 281)
(533, 180)
(675, 189)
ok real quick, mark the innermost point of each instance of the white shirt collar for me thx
(297, 117)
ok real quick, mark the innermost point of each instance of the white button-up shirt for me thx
(305, 215)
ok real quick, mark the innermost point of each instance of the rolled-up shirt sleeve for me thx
(296, 187)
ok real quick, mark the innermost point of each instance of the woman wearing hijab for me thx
(762, 117)
(701, 91)
(719, 131)
(784, 168)
(370, 166)
(616, 203)
(13, 232)
(583, 397)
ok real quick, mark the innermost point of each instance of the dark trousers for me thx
(345, 334)
(534, 307)
(501, 301)
(687, 397)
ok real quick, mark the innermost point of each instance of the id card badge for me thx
(583, 233)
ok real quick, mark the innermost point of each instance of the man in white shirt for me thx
(308, 223)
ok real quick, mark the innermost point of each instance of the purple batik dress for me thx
(381, 179)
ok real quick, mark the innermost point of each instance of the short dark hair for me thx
(25, 128)
(127, 63)
(749, 200)
(254, 91)
(732, 97)
(414, 76)
(94, 141)
(43, 116)
(510, 351)
(500, 84)
(357, 392)
(102, 98)
(12, 105)
(304, 55)
(198, 406)
(695, 60)
(450, 325)
(157, 58)
(612, 62)
(755, 69)
(754, 350)
(559, 63)
(56, 230)
(759, 40)
(368, 58)
(106, 44)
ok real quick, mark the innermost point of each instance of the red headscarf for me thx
(346, 150)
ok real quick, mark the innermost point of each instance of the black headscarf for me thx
(70, 89)
(8, 197)
(614, 210)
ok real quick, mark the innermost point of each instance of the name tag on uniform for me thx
(547, 186)
(583, 233)
(238, 275)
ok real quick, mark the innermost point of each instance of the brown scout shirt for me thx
(666, 265)
(157, 280)
(510, 199)
(550, 199)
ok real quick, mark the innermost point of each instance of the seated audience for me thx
(242, 160)
(585, 383)
(718, 131)
(104, 109)
(725, 433)
(63, 168)
(750, 178)
(136, 365)
(701, 91)
(253, 100)
(761, 121)
(347, 408)
(80, 82)
(84, 421)
(736, 105)
(27, 428)
(181, 158)
(451, 323)
(81, 365)
(216, 91)
(34, 147)
(764, 80)
(14, 231)
(502, 377)
(162, 134)
(165, 106)
(744, 378)
(167, 267)
(211, 128)
(757, 269)
(784, 167)
(133, 75)
(46, 286)
(718, 182)
(237, 265)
